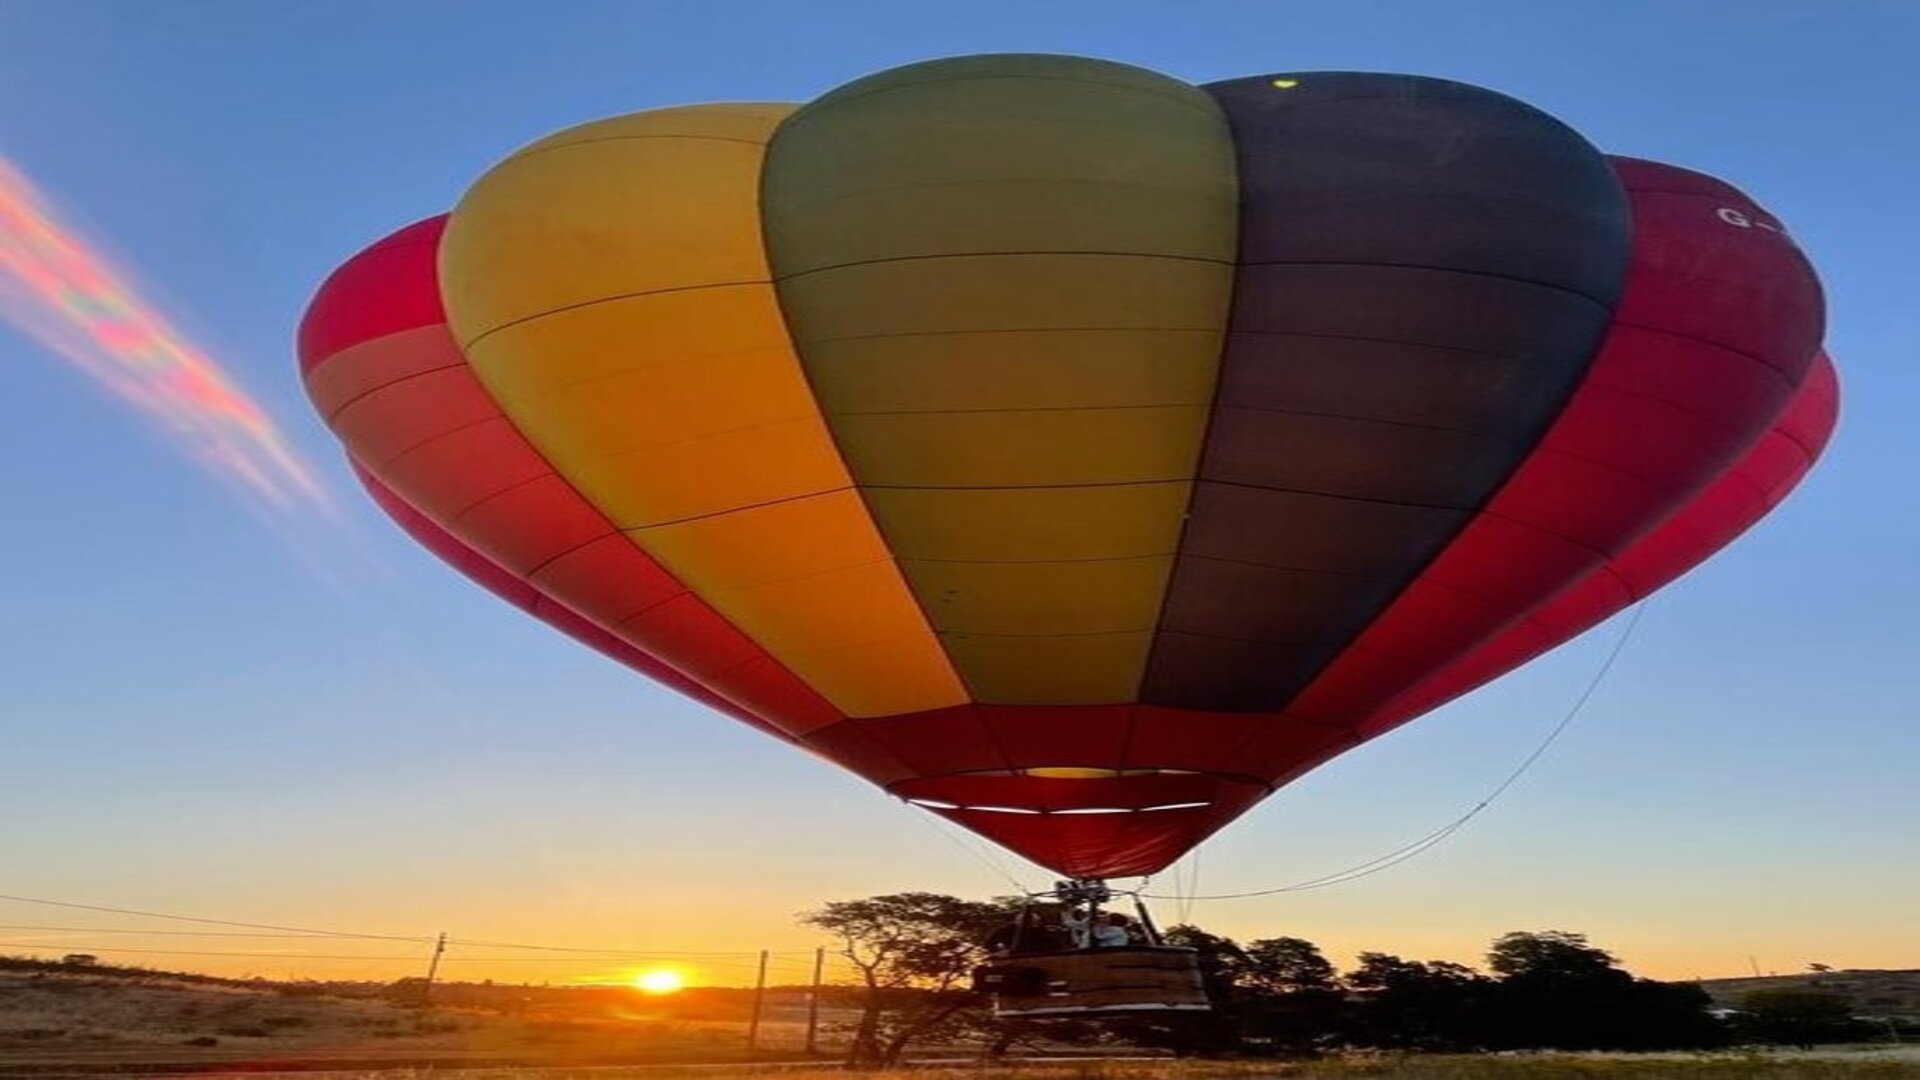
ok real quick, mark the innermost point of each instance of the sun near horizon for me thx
(659, 981)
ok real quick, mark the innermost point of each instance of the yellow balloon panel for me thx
(696, 387)
(817, 564)
(612, 288)
(594, 219)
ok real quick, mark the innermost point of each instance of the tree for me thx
(1410, 1005)
(1559, 992)
(1294, 1004)
(1797, 1017)
(1223, 963)
(914, 952)
(1287, 965)
(1549, 954)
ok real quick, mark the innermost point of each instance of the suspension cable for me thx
(1425, 843)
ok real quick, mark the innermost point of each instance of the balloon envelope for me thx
(1076, 452)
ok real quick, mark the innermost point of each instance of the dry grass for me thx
(70, 1010)
(76, 1016)
(111, 1022)
(1890, 1064)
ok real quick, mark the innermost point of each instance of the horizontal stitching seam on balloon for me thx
(412, 448)
(1212, 329)
(1170, 629)
(534, 571)
(1189, 195)
(612, 530)
(1681, 336)
(1355, 574)
(553, 387)
(1181, 98)
(618, 627)
(1268, 410)
(1205, 479)
(927, 559)
(965, 634)
(513, 487)
(330, 417)
(718, 433)
(467, 346)
(631, 529)
(1764, 494)
(1543, 449)
(1604, 305)
(782, 278)
(1020, 409)
(614, 629)
(522, 155)
(711, 679)
(1605, 557)
(1598, 380)
(1810, 452)
(838, 569)
(1764, 292)
(1145, 481)
(1318, 335)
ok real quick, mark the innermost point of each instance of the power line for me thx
(297, 932)
(196, 952)
(161, 933)
(1402, 854)
(44, 945)
(304, 931)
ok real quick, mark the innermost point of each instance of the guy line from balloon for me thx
(68, 297)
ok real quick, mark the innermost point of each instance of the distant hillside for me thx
(1873, 993)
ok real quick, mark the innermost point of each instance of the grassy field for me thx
(1841, 1064)
(81, 1022)
(1864, 1064)
(113, 1021)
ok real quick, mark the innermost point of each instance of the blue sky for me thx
(201, 716)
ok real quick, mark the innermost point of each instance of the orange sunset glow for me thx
(660, 981)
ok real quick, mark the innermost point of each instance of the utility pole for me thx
(433, 968)
(759, 999)
(813, 1000)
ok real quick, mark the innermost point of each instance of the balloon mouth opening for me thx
(1078, 772)
(941, 804)
(1060, 791)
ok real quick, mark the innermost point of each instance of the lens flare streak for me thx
(73, 301)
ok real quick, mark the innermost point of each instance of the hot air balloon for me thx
(1072, 451)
